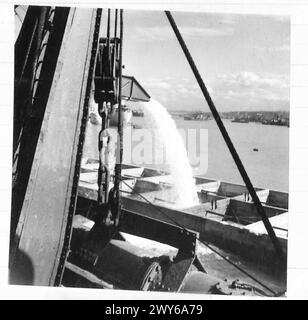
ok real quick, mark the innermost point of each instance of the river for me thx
(267, 167)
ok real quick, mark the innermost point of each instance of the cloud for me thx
(155, 83)
(254, 80)
(175, 93)
(163, 33)
(235, 91)
(179, 85)
(195, 32)
(283, 48)
(280, 18)
(251, 89)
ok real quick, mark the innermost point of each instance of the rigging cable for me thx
(236, 158)
(118, 167)
(115, 23)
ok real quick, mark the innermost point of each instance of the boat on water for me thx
(240, 120)
(277, 122)
(197, 117)
(137, 113)
(136, 126)
(188, 118)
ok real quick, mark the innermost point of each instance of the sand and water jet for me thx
(158, 120)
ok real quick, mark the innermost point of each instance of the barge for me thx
(225, 218)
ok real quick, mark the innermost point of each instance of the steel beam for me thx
(44, 228)
(28, 114)
(145, 227)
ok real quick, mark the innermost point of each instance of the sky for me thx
(244, 60)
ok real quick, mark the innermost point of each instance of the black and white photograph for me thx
(150, 150)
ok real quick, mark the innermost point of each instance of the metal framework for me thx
(44, 228)
(50, 115)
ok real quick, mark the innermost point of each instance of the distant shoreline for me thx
(277, 118)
